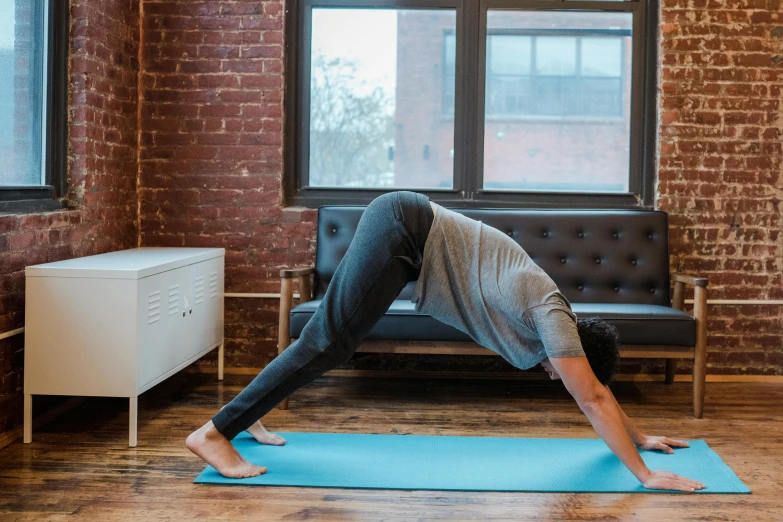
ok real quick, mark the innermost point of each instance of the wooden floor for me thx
(79, 465)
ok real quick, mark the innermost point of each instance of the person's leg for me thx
(379, 262)
(385, 253)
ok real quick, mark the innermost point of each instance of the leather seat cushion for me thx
(643, 324)
(636, 323)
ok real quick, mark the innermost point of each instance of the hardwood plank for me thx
(15, 434)
(79, 465)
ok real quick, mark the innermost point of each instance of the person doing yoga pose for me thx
(470, 276)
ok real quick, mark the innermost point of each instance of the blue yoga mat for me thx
(336, 460)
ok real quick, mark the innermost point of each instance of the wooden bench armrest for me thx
(289, 273)
(680, 280)
(287, 276)
(690, 280)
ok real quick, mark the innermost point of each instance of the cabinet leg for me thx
(133, 420)
(221, 357)
(28, 418)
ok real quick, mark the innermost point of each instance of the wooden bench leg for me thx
(284, 403)
(700, 355)
(699, 381)
(284, 330)
(678, 303)
(671, 369)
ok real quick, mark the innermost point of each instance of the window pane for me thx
(602, 57)
(565, 126)
(509, 54)
(450, 51)
(556, 55)
(381, 82)
(510, 90)
(21, 93)
(449, 73)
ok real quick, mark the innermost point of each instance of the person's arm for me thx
(643, 441)
(603, 413)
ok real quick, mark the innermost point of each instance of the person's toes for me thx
(253, 471)
(264, 437)
(276, 440)
(269, 438)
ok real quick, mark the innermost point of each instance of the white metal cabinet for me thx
(117, 324)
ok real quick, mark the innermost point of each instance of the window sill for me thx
(312, 198)
(27, 199)
(30, 206)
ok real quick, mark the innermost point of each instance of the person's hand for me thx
(659, 479)
(664, 444)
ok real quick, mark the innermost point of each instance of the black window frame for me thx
(48, 196)
(471, 31)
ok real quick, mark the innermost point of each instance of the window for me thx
(557, 112)
(365, 74)
(474, 102)
(33, 50)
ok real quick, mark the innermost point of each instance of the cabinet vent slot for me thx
(153, 311)
(173, 299)
(198, 294)
(213, 285)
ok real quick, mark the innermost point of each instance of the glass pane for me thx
(509, 54)
(556, 55)
(450, 51)
(449, 74)
(602, 57)
(564, 125)
(381, 97)
(21, 92)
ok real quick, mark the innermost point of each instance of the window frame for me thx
(47, 196)
(471, 38)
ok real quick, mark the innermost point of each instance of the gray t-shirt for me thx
(480, 281)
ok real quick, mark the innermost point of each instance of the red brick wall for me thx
(103, 102)
(211, 160)
(211, 152)
(720, 167)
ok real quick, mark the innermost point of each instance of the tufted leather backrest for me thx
(594, 256)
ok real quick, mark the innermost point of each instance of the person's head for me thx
(600, 344)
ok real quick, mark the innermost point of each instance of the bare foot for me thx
(259, 433)
(217, 451)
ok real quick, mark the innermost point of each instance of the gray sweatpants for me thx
(385, 254)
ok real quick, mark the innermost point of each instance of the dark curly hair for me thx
(600, 342)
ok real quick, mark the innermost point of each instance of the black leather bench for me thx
(612, 264)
